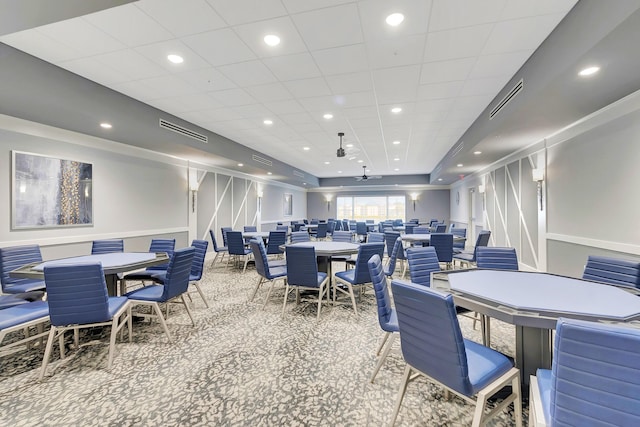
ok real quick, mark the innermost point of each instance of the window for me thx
(377, 208)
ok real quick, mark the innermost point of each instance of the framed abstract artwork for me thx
(288, 204)
(50, 192)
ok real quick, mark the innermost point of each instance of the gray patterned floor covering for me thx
(240, 366)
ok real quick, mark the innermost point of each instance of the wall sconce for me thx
(414, 198)
(328, 198)
(538, 176)
(481, 189)
(260, 200)
(194, 189)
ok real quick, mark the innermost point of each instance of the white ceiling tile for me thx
(342, 60)
(458, 43)
(135, 89)
(215, 115)
(292, 67)
(374, 12)
(303, 128)
(520, 34)
(132, 64)
(248, 73)
(505, 64)
(523, 8)
(306, 88)
(269, 92)
(158, 52)
(92, 69)
(284, 107)
(433, 105)
(240, 125)
(352, 82)
(396, 84)
(129, 25)
(166, 86)
(446, 71)
(207, 79)
(184, 17)
(396, 51)
(186, 103)
(360, 112)
(253, 111)
(297, 118)
(219, 47)
(365, 122)
(446, 14)
(93, 41)
(431, 119)
(358, 99)
(439, 90)
(37, 44)
(486, 86)
(296, 6)
(330, 27)
(233, 97)
(253, 35)
(236, 12)
(318, 103)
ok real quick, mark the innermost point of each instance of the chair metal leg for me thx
(129, 315)
(384, 340)
(273, 283)
(156, 307)
(401, 391)
(286, 295)
(382, 358)
(186, 306)
(112, 340)
(197, 286)
(353, 299)
(255, 290)
(320, 296)
(47, 352)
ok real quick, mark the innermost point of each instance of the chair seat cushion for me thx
(485, 364)
(11, 300)
(148, 293)
(278, 271)
(24, 286)
(115, 304)
(222, 249)
(464, 256)
(347, 275)
(19, 314)
(544, 385)
(320, 278)
(277, 263)
(390, 325)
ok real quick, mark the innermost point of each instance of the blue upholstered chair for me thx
(421, 230)
(320, 233)
(284, 228)
(497, 258)
(266, 272)
(224, 231)
(432, 345)
(77, 298)
(302, 274)
(300, 236)
(361, 230)
(375, 237)
(408, 228)
(594, 378)
(175, 285)
(358, 276)
(217, 249)
(440, 228)
(107, 246)
(342, 236)
(18, 318)
(614, 271)
(276, 239)
(433, 223)
(331, 227)
(443, 244)
(11, 300)
(345, 226)
(390, 237)
(387, 317)
(458, 245)
(237, 249)
(423, 260)
(469, 257)
(250, 228)
(157, 245)
(393, 257)
(14, 257)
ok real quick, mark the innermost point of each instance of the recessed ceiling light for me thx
(306, 148)
(477, 152)
(240, 164)
(269, 173)
(328, 116)
(268, 122)
(176, 59)
(360, 161)
(352, 158)
(367, 170)
(304, 183)
(395, 19)
(106, 125)
(272, 40)
(589, 71)
(339, 171)
(396, 169)
(439, 179)
(460, 165)
(396, 142)
(327, 163)
(397, 159)
(396, 110)
(349, 145)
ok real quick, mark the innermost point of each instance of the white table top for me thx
(330, 248)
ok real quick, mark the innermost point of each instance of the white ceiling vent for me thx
(457, 149)
(183, 131)
(508, 97)
(262, 160)
(298, 173)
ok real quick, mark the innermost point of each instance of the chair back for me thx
(433, 222)
(345, 225)
(302, 266)
(393, 257)
(177, 279)
(213, 240)
(295, 226)
(415, 221)
(383, 300)
(420, 230)
(235, 243)
(408, 228)
(390, 238)
(482, 240)
(107, 246)
(422, 262)
(284, 228)
(342, 236)
(250, 228)
(375, 238)
(497, 258)
(314, 221)
(276, 239)
(162, 245)
(443, 244)
(397, 222)
(430, 335)
(365, 252)
(224, 231)
(338, 226)
(459, 232)
(197, 266)
(321, 231)
(76, 294)
(441, 228)
(595, 374)
(331, 226)
(613, 271)
(361, 228)
(260, 257)
(15, 257)
(300, 236)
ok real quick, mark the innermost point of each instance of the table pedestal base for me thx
(533, 351)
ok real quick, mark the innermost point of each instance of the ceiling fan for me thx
(364, 176)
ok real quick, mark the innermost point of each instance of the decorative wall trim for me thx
(603, 244)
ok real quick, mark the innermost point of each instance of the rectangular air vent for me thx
(457, 149)
(298, 173)
(508, 97)
(183, 131)
(262, 160)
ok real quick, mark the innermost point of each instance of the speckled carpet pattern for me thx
(240, 366)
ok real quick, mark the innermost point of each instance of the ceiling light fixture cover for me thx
(176, 59)
(589, 71)
(272, 40)
(395, 19)
(340, 152)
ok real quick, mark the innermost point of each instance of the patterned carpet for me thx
(240, 366)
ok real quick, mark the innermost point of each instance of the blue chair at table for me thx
(321, 232)
(19, 318)
(338, 226)
(375, 237)
(266, 271)
(594, 378)
(175, 285)
(432, 345)
(458, 245)
(440, 228)
(423, 260)
(469, 257)
(224, 231)
(393, 257)
(11, 300)
(237, 249)
(408, 228)
(345, 226)
(300, 236)
(331, 227)
(443, 244)
(361, 230)
(302, 274)
(358, 276)
(387, 317)
(276, 239)
(390, 237)
(107, 246)
(157, 245)
(614, 271)
(14, 257)
(284, 228)
(217, 249)
(77, 298)
(250, 228)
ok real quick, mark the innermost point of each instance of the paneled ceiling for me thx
(442, 66)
